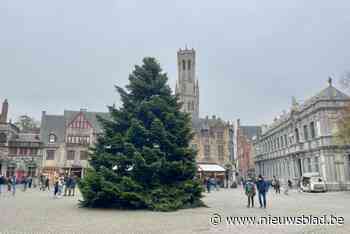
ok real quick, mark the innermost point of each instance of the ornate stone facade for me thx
(302, 140)
(213, 137)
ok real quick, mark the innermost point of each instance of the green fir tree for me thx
(143, 159)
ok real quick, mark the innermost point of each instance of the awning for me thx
(210, 168)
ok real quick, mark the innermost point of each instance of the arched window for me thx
(183, 65)
(3, 137)
(52, 138)
(189, 65)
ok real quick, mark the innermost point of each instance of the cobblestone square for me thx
(38, 212)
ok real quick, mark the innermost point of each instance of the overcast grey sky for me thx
(252, 55)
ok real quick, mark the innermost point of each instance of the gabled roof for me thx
(52, 124)
(331, 93)
(90, 116)
(57, 124)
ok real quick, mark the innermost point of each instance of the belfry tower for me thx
(187, 86)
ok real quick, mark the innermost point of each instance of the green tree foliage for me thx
(143, 159)
(26, 123)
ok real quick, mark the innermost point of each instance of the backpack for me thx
(250, 189)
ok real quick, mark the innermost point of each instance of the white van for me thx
(312, 182)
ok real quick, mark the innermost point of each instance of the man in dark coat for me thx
(262, 187)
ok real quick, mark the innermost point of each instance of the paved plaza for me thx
(37, 212)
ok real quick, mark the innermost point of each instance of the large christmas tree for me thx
(143, 159)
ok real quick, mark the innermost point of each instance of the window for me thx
(183, 65)
(285, 140)
(83, 155)
(189, 64)
(221, 152)
(13, 151)
(189, 106)
(312, 130)
(70, 155)
(52, 138)
(306, 134)
(297, 139)
(205, 133)
(220, 136)
(207, 151)
(309, 165)
(317, 168)
(50, 155)
(282, 141)
(33, 151)
(3, 137)
(318, 128)
(22, 151)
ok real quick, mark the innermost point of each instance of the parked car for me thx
(312, 182)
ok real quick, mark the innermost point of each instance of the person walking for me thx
(25, 183)
(250, 192)
(286, 187)
(276, 184)
(72, 186)
(56, 185)
(262, 188)
(2, 181)
(67, 184)
(13, 185)
(8, 182)
(47, 184)
(30, 182)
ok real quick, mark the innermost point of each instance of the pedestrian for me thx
(30, 181)
(13, 185)
(47, 184)
(207, 183)
(290, 184)
(8, 182)
(250, 192)
(25, 182)
(67, 184)
(60, 186)
(72, 186)
(286, 187)
(56, 185)
(212, 182)
(262, 188)
(276, 184)
(2, 181)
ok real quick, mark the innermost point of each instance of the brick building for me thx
(20, 152)
(245, 135)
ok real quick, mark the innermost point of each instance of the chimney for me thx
(4, 111)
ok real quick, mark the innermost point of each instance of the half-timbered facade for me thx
(67, 139)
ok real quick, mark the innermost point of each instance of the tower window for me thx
(183, 65)
(189, 64)
(52, 138)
